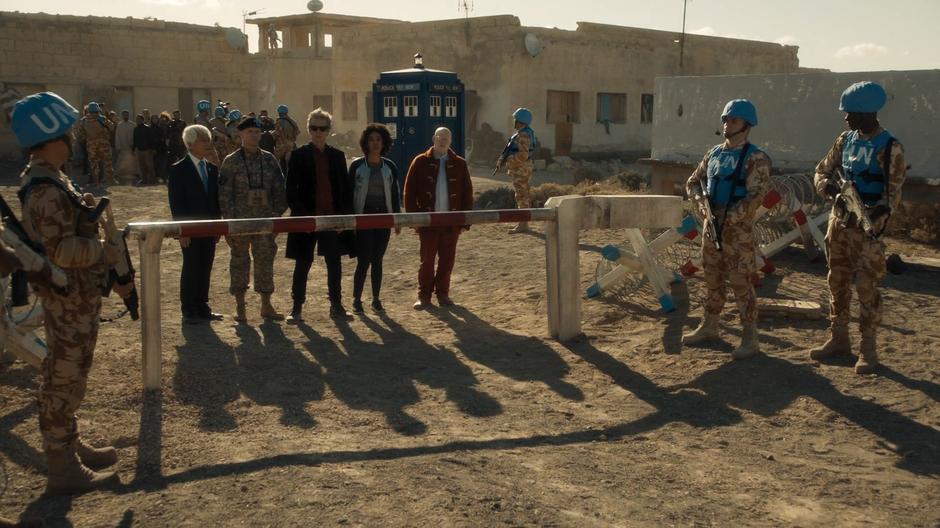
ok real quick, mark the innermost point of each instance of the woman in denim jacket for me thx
(377, 190)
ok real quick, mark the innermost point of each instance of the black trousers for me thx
(370, 251)
(330, 251)
(194, 279)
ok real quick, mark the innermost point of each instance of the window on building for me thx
(370, 114)
(328, 40)
(435, 107)
(390, 105)
(612, 108)
(411, 105)
(646, 108)
(323, 101)
(450, 107)
(350, 108)
(563, 107)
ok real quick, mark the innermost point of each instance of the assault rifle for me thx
(123, 271)
(30, 254)
(711, 221)
(502, 158)
(854, 206)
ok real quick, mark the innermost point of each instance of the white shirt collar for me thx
(196, 161)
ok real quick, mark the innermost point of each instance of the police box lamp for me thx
(419, 61)
(314, 5)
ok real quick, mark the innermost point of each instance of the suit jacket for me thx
(421, 183)
(302, 197)
(189, 200)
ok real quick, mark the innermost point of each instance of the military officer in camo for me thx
(736, 176)
(872, 161)
(56, 215)
(251, 185)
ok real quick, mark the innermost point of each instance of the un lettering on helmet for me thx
(57, 119)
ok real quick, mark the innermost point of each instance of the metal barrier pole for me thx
(150, 244)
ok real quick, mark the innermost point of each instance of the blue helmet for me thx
(523, 115)
(203, 106)
(742, 109)
(219, 111)
(41, 117)
(863, 97)
(281, 109)
(234, 115)
(93, 107)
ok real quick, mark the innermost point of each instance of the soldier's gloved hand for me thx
(879, 217)
(42, 277)
(839, 207)
(123, 290)
(831, 189)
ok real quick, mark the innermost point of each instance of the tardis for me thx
(413, 103)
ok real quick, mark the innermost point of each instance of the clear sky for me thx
(841, 35)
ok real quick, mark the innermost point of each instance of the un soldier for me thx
(57, 216)
(251, 186)
(517, 156)
(736, 176)
(285, 134)
(233, 133)
(218, 126)
(97, 131)
(202, 118)
(873, 162)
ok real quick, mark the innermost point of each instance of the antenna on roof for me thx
(466, 6)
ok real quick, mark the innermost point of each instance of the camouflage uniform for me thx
(520, 170)
(252, 186)
(212, 156)
(853, 256)
(52, 216)
(220, 140)
(735, 264)
(97, 133)
(285, 134)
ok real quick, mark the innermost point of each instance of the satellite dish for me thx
(314, 5)
(236, 38)
(532, 44)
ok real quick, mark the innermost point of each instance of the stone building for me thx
(591, 89)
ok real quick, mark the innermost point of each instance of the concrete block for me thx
(789, 308)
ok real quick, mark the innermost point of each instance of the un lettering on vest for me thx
(57, 116)
(861, 155)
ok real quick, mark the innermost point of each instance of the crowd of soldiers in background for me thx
(115, 149)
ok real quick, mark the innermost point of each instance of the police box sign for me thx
(446, 88)
(410, 87)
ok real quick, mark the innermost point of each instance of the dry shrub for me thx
(918, 221)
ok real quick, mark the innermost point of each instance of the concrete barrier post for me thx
(150, 244)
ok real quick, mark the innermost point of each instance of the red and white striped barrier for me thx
(565, 217)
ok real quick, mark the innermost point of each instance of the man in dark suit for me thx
(318, 184)
(194, 195)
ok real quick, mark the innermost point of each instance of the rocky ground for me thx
(471, 416)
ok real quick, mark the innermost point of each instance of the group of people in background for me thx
(140, 149)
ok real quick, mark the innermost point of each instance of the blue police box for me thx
(413, 103)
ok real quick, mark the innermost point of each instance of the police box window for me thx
(435, 106)
(450, 107)
(411, 105)
(646, 108)
(391, 107)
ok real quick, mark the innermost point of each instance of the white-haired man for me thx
(194, 195)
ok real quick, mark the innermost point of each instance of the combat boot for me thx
(838, 343)
(267, 309)
(96, 457)
(240, 307)
(867, 355)
(67, 475)
(706, 331)
(750, 345)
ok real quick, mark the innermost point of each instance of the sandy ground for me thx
(473, 417)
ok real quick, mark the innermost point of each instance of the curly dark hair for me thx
(382, 131)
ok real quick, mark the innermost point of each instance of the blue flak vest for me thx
(861, 167)
(514, 145)
(727, 182)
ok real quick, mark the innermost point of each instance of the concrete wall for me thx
(117, 59)
(289, 80)
(798, 115)
(489, 55)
